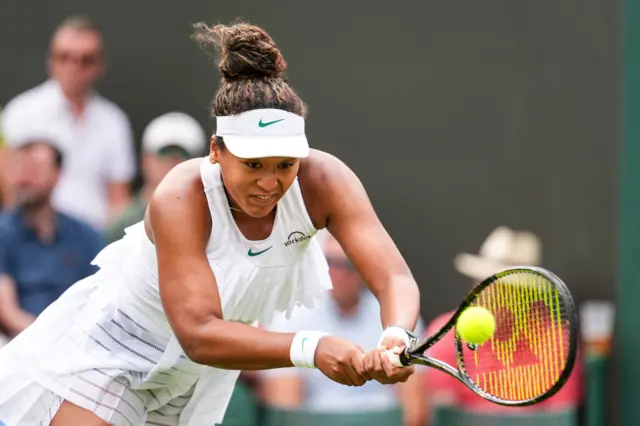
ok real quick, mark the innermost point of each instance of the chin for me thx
(259, 213)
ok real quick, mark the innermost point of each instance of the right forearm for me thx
(236, 346)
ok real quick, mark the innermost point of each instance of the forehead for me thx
(40, 152)
(76, 40)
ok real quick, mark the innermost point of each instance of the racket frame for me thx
(414, 354)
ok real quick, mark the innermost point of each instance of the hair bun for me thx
(246, 51)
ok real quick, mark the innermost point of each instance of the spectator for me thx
(351, 312)
(168, 140)
(502, 248)
(4, 188)
(42, 252)
(94, 134)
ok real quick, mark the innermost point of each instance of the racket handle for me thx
(394, 358)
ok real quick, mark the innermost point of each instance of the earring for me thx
(212, 160)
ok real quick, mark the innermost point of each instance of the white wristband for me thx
(395, 331)
(303, 348)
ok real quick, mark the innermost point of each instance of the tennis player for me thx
(161, 332)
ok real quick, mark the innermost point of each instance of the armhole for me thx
(305, 215)
(306, 200)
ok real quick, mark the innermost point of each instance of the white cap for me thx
(263, 133)
(174, 129)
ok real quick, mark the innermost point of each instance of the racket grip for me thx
(394, 358)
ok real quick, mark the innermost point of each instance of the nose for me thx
(268, 183)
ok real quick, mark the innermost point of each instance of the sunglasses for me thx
(85, 60)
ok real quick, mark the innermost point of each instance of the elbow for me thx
(190, 347)
(199, 343)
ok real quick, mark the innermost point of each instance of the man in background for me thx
(167, 141)
(503, 248)
(42, 252)
(351, 311)
(94, 134)
(4, 166)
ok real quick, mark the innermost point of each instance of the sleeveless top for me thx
(85, 329)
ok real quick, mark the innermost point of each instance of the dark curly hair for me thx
(252, 69)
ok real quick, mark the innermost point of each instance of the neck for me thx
(77, 105)
(77, 100)
(42, 219)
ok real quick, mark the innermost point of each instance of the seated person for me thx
(42, 251)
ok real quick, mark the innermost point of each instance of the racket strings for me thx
(527, 354)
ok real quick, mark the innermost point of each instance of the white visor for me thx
(263, 133)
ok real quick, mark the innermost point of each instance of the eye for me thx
(253, 165)
(286, 165)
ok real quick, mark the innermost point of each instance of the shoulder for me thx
(179, 197)
(28, 99)
(324, 181)
(319, 166)
(182, 181)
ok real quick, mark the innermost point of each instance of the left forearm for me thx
(400, 302)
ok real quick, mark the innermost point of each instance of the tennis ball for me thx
(476, 325)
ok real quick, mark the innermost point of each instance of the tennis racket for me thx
(533, 349)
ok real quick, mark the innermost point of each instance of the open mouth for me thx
(265, 198)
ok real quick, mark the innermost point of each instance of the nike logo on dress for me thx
(257, 253)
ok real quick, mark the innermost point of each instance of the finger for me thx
(360, 373)
(389, 368)
(379, 369)
(338, 378)
(374, 366)
(354, 377)
(404, 374)
(367, 364)
(394, 358)
(397, 374)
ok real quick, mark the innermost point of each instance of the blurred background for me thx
(473, 125)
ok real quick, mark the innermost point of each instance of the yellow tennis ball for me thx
(476, 325)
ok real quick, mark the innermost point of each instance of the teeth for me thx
(264, 197)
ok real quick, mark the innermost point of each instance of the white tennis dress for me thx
(106, 344)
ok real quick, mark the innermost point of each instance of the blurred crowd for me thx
(67, 166)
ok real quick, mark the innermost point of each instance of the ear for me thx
(214, 152)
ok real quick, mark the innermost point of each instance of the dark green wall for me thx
(458, 116)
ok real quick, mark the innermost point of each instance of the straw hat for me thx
(503, 247)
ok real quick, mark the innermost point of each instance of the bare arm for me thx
(181, 225)
(13, 319)
(350, 218)
(414, 401)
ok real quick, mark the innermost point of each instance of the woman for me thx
(160, 333)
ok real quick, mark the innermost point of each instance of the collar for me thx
(54, 87)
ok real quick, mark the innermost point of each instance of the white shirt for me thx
(363, 329)
(98, 149)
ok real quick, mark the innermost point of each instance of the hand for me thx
(341, 361)
(378, 366)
